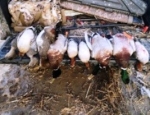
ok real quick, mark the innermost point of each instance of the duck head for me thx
(124, 76)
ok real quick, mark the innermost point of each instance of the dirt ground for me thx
(26, 92)
(29, 92)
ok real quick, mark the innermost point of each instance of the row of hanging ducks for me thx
(101, 48)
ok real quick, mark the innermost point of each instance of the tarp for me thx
(132, 7)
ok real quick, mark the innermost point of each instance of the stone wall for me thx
(4, 30)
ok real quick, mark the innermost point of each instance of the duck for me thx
(26, 44)
(43, 41)
(123, 49)
(72, 50)
(84, 53)
(141, 54)
(101, 48)
(55, 54)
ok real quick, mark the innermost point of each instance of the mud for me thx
(24, 92)
(30, 92)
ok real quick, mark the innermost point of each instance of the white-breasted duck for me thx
(72, 50)
(25, 43)
(84, 53)
(100, 47)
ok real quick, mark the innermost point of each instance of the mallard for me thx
(72, 50)
(56, 53)
(45, 37)
(142, 55)
(84, 53)
(123, 48)
(101, 48)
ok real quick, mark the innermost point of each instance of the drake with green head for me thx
(123, 48)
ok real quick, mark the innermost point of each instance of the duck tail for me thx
(56, 73)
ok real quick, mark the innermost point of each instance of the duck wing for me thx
(88, 40)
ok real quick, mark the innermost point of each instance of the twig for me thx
(88, 89)
(42, 102)
(94, 108)
(84, 108)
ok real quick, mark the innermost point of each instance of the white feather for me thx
(25, 39)
(141, 53)
(72, 49)
(101, 45)
(39, 39)
(84, 53)
(132, 43)
(60, 44)
(120, 42)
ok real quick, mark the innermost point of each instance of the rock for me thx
(4, 27)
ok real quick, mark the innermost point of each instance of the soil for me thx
(29, 92)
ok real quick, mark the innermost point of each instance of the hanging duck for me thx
(101, 48)
(142, 55)
(45, 37)
(56, 53)
(84, 53)
(72, 50)
(123, 48)
(26, 43)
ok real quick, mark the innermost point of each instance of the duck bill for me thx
(73, 61)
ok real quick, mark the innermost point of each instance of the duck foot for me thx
(72, 65)
(138, 66)
(87, 65)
